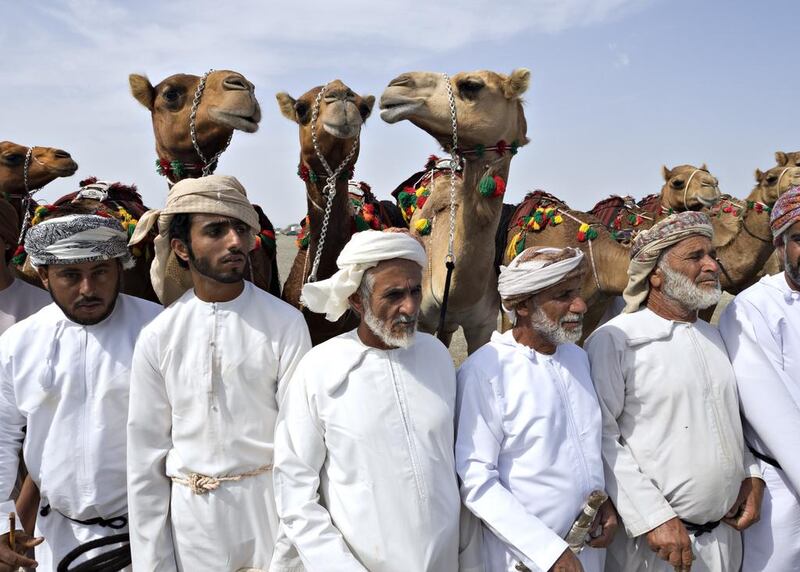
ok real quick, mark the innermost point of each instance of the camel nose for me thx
(236, 82)
(61, 154)
(401, 81)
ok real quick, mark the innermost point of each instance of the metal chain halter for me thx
(454, 164)
(26, 202)
(207, 164)
(329, 191)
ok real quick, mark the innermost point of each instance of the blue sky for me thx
(619, 87)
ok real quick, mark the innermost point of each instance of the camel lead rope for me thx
(26, 202)
(450, 260)
(207, 165)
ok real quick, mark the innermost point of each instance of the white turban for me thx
(525, 276)
(364, 251)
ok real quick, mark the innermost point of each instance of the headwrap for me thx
(75, 239)
(364, 251)
(9, 224)
(526, 275)
(648, 246)
(214, 194)
(785, 213)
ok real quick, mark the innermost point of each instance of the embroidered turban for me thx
(785, 213)
(364, 251)
(75, 239)
(9, 224)
(534, 270)
(648, 246)
(214, 194)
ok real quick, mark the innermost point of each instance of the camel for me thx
(490, 126)
(193, 120)
(686, 187)
(334, 117)
(783, 159)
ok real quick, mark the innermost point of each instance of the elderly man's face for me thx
(218, 247)
(393, 305)
(790, 252)
(556, 312)
(85, 292)
(689, 273)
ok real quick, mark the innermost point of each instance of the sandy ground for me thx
(458, 347)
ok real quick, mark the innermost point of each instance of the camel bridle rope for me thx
(208, 165)
(329, 190)
(26, 201)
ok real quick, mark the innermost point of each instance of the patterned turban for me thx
(648, 246)
(785, 213)
(75, 239)
(214, 194)
(9, 224)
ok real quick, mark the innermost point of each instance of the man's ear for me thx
(656, 279)
(523, 308)
(180, 249)
(356, 302)
(42, 272)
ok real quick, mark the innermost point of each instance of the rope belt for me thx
(700, 529)
(115, 523)
(201, 484)
(765, 458)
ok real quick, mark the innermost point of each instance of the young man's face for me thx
(85, 292)
(218, 247)
(790, 252)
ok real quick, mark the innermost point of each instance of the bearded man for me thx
(761, 329)
(676, 465)
(65, 373)
(529, 429)
(208, 378)
(364, 470)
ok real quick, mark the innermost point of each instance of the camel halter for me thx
(26, 201)
(329, 190)
(208, 165)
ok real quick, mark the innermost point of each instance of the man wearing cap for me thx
(528, 423)
(64, 373)
(18, 299)
(364, 470)
(676, 465)
(208, 377)
(761, 329)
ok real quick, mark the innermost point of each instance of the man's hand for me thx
(604, 526)
(671, 542)
(10, 560)
(567, 562)
(746, 511)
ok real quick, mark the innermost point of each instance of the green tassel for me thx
(407, 199)
(514, 147)
(520, 246)
(312, 176)
(361, 224)
(591, 234)
(177, 168)
(480, 149)
(487, 186)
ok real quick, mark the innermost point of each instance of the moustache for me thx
(572, 317)
(88, 301)
(233, 255)
(404, 320)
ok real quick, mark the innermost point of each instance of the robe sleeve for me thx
(296, 344)
(11, 435)
(300, 452)
(638, 500)
(479, 437)
(149, 440)
(765, 397)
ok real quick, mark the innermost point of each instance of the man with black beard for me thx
(676, 465)
(208, 377)
(64, 373)
(364, 469)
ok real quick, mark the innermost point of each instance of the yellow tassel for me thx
(558, 219)
(584, 227)
(536, 226)
(511, 251)
(420, 191)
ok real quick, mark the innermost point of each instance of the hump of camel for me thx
(490, 124)
(193, 119)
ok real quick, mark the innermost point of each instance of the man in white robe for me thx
(208, 377)
(676, 465)
(64, 373)
(528, 424)
(761, 329)
(18, 299)
(364, 469)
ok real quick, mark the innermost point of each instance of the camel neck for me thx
(339, 225)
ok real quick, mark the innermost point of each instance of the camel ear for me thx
(759, 175)
(703, 167)
(142, 90)
(365, 109)
(286, 103)
(517, 83)
(781, 158)
(666, 173)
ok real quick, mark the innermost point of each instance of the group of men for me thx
(209, 435)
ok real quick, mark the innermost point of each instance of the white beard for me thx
(554, 332)
(383, 329)
(691, 296)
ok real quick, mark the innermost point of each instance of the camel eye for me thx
(171, 95)
(469, 88)
(677, 183)
(12, 159)
(772, 179)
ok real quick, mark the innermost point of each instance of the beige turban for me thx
(648, 246)
(9, 224)
(364, 251)
(214, 194)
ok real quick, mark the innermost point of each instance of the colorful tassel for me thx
(423, 226)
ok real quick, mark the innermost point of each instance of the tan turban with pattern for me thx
(215, 194)
(648, 246)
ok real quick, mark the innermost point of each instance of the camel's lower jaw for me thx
(238, 122)
(392, 113)
(341, 131)
(67, 171)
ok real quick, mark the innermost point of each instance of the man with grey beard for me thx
(528, 423)
(676, 465)
(364, 469)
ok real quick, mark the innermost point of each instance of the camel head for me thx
(227, 103)
(46, 165)
(488, 105)
(342, 113)
(772, 183)
(687, 187)
(790, 159)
